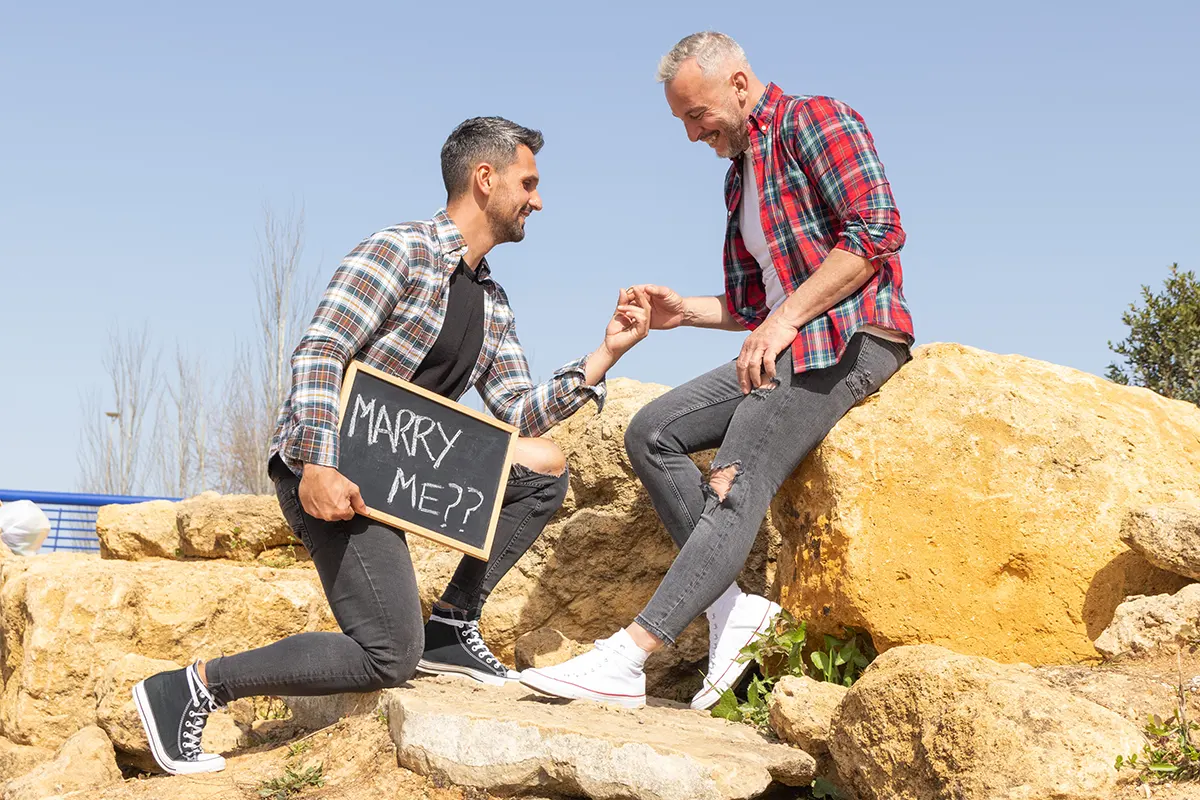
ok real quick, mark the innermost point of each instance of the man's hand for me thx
(630, 322)
(667, 308)
(756, 362)
(327, 494)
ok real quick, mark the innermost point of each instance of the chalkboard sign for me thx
(424, 463)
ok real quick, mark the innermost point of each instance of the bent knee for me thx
(397, 665)
(639, 434)
(540, 455)
(721, 479)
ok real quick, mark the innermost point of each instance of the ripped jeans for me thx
(763, 436)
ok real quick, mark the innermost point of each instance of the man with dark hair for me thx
(416, 300)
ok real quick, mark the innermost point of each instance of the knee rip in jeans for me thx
(762, 391)
(721, 479)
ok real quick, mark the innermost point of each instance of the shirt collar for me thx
(453, 246)
(766, 106)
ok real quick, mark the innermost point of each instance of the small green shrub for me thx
(1170, 755)
(292, 782)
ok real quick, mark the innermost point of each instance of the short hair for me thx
(710, 49)
(480, 139)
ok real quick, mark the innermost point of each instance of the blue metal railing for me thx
(72, 516)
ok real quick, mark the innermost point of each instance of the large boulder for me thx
(801, 711)
(84, 764)
(976, 502)
(17, 759)
(1143, 624)
(67, 619)
(237, 526)
(925, 722)
(507, 741)
(139, 531)
(1167, 535)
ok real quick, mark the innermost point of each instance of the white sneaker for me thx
(604, 674)
(734, 621)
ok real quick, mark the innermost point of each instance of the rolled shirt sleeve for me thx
(508, 390)
(839, 151)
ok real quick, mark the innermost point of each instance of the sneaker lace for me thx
(196, 715)
(475, 642)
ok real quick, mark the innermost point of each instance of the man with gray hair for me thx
(812, 270)
(418, 301)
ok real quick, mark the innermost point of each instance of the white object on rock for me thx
(23, 527)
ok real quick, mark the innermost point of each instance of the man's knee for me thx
(721, 479)
(397, 662)
(639, 434)
(540, 455)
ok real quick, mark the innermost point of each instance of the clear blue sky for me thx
(1043, 155)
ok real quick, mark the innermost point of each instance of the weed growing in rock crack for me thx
(292, 782)
(779, 652)
(282, 558)
(298, 748)
(1170, 755)
(381, 716)
(269, 707)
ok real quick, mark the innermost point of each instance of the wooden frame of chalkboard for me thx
(352, 372)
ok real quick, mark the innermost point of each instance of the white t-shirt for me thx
(755, 240)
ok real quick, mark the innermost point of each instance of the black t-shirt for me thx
(447, 368)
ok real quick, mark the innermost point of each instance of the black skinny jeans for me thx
(367, 573)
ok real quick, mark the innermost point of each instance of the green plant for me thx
(779, 652)
(1162, 351)
(1170, 754)
(298, 748)
(292, 782)
(822, 788)
(381, 716)
(270, 707)
(843, 660)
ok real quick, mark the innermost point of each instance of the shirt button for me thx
(763, 129)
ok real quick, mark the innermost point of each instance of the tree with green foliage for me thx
(1162, 351)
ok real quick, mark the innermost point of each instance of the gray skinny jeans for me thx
(764, 436)
(367, 573)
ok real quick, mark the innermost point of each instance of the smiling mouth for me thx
(711, 139)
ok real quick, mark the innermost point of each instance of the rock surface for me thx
(507, 741)
(802, 710)
(84, 764)
(1167, 535)
(1134, 696)
(1145, 623)
(17, 759)
(68, 618)
(976, 502)
(139, 531)
(925, 722)
(545, 647)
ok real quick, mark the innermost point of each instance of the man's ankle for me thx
(200, 673)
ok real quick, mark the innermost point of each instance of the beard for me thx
(732, 127)
(507, 222)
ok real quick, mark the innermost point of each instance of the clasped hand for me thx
(756, 362)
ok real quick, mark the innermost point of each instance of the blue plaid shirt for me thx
(385, 307)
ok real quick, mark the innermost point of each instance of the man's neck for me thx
(474, 227)
(755, 89)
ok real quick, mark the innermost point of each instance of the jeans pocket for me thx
(293, 512)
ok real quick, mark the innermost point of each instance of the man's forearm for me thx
(840, 275)
(710, 312)
(598, 364)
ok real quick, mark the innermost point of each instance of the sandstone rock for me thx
(1134, 697)
(138, 531)
(117, 716)
(801, 710)
(237, 526)
(506, 741)
(545, 647)
(83, 764)
(16, 759)
(1167, 535)
(66, 619)
(976, 502)
(925, 722)
(313, 713)
(1144, 623)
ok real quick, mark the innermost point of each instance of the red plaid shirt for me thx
(822, 187)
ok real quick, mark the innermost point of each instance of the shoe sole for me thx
(455, 671)
(711, 697)
(214, 764)
(570, 691)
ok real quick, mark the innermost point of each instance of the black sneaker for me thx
(453, 646)
(174, 707)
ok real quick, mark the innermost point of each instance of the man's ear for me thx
(741, 84)
(485, 178)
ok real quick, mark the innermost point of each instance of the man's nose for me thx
(535, 201)
(693, 131)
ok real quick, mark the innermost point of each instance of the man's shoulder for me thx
(411, 239)
(814, 109)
